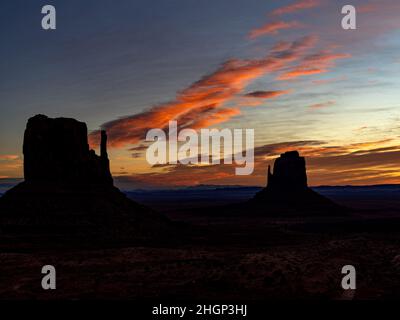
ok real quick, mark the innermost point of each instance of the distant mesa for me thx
(289, 173)
(289, 177)
(68, 189)
(287, 191)
(286, 195)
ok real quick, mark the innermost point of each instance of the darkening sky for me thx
(285, 68)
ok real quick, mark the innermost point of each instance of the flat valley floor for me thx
(222, 258)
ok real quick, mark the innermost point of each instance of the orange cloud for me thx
(325, 57)
(272, 28)
(313, 64)
(203, 97)
(267, 94)
(11, 165)
(197, 120)
(8, 157)
(322, 105)
(369, 7)
(296, 6)
(180, 175)
(300, 72)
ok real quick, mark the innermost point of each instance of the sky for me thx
(286, 69)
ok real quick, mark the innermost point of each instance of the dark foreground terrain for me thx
(221, 258)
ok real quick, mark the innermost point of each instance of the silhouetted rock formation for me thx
(287, 191)
(68, 189)
(58, 150)
(289, 173)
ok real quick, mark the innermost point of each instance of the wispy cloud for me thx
(197, 120)
(295, 7)
(206, 97)
(317, 63)
(368, 7)
(321, 105)
(8, 157)
(267, 94)
(273, 28)
(11, 165)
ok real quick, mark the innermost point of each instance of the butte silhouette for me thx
(68, 190)
(287, 191)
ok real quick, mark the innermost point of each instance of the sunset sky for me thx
(285, 68)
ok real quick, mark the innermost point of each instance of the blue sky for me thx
(109, 60)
